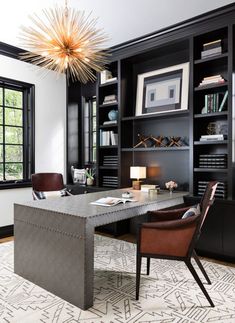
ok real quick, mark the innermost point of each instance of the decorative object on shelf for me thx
(142, 141)
(65, 41)
(158, 141)
(90, 173)
(106, 76)
(214, 79)
(175, 141)
(163, 90)
(211, 49)
(109, 99)
(217, 128)
(137, 173)
(78, 175)
(171, 185)
(113, 115)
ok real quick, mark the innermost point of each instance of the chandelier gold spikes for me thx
(65, 41)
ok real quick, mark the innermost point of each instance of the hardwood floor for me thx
(131, 238)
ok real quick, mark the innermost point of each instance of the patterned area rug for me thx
(169, 294)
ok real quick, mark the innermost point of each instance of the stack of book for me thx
(214, 79)
(211, 49)
(108, 138)
(147, 187)
(221, 191)
(215, 102)
(108, 99)
(110, 181)
(110, 160)
(217, 137)
(213, 161)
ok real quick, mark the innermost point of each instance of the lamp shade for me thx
(137, 172)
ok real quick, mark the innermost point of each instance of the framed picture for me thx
(163, 90)
(78, 175)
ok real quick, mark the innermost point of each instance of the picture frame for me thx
(78, 175)
(163, 90)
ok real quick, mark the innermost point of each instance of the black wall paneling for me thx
(194, 162)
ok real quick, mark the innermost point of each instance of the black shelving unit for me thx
(172, 46)
(108, 176)
(213, 151)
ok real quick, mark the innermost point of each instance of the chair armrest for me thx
(173, 224)
(167, 215)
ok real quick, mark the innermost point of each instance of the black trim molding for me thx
(6, 231)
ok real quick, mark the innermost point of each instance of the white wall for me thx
(50, 111)
(122, 20)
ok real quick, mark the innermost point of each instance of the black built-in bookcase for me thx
(177, 44)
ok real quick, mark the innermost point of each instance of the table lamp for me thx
(137, 173)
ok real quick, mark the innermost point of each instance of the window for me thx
(90, 131)
(16, 132)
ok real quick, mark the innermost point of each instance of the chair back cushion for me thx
(194, 210)
(45, 182)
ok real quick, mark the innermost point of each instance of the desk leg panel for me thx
(57, 261)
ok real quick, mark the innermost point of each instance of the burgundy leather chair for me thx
(46, 182)
(171, 237)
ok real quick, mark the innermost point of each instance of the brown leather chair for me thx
(46, 182)
(171, 237)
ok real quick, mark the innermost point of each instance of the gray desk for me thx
(54, 239)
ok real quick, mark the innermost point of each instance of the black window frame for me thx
(90, 101)
(28, 131)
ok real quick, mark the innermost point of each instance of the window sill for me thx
(6, 186)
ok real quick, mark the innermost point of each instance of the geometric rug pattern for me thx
(169, 294)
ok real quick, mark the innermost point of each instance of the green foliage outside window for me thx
(11, 124)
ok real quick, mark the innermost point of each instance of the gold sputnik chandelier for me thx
(65, 41)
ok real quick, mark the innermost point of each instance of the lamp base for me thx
(136, 185)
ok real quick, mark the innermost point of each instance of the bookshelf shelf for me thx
(211, 142)
(168, 115)
(109, 83)
(210, 170)
(153, 149)
(211, 115)
(211, 59)
(105, 126)
(108, 105)
(211, 86)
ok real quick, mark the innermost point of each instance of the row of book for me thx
(108, 138)
(214, 79)
(110, 160)
(215, 102)
(217, 137)
(110, 181)
(212, 49)
(221, 191)
(213, 161)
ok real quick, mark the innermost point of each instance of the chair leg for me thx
(148, 265)
(138, 271)
(195, 256)
(200, 284)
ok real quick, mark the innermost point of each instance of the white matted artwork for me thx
(163, 90)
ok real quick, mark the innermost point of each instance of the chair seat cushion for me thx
(51, 194)
(194, 210)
